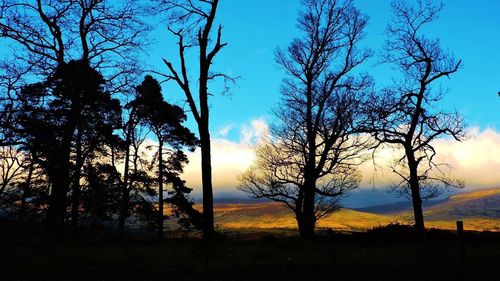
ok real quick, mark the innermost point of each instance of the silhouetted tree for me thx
(51, 113)
(195, 20)
(99, 194)
(46, 34)
(99, 117)
(165, 121)
(129, 131)
(11, 168)
(310, 159)
(406, 114)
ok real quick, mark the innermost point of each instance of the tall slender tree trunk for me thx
(125, 190)
(160, 188)
(75, 192)
(204, 130)
(206, 175)
(26, 191)
(309, 214)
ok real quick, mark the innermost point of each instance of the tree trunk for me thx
(415, 194)
(60, 179)
(75, 192)
(26, 191)
(206, 158)
(300, 223)
(206, 175)
(125, 189)
(160, 188)
(59, 175)
(309, 214)
(57, 201)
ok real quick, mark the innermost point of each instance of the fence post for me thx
(461, 240)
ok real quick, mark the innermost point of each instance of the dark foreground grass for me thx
(377, 255)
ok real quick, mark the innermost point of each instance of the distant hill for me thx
(481, 203)
(480, 210)
(398, 207)
(271, 215)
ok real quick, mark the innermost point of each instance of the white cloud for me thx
(251, 134)
(224, 131)
(229, 158)
(476, 160)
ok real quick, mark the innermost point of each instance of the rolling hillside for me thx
(274, 215)
(480, 210)
(483, 203)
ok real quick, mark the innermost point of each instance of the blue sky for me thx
(254, 29)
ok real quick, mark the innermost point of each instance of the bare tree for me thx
(310, 160)
(406, 115)
(49, 33)
(12, 166)
(193, 21)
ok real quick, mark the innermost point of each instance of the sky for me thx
(253, 31)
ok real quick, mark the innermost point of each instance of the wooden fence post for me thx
(461, 240)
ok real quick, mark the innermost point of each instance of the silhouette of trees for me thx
(406, 114)
(70, 103)
(76, 133)
(99, 193)
(13, 164)
(46, 34)
(165, 121)
(129, 130)
(193, 21)
(100, 116)
(310, 159)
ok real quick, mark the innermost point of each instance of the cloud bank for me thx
(476, 160)
(229, 158)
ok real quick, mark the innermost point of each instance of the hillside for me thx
(480, 210)
(482, 203)
(274, 215)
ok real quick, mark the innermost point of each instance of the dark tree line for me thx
(67, 125)
(86, 138)
(74, 123)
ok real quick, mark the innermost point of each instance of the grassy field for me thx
(269, 216)
(378, 255)
(259, 242)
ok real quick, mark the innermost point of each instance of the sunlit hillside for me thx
(480, 210)
(480, 204)
(275, 215)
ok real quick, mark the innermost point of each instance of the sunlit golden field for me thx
(275, 216)
(478, 210)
